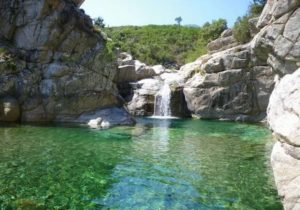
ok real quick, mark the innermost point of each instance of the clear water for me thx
(157, 164)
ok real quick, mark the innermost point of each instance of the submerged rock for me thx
(95, 123)
(105, 124)
(105, 118)
(98, 123)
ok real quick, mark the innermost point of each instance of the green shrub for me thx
(212, 31)
(99, 21)
(169, 45)
(241, 29)
(257, 7)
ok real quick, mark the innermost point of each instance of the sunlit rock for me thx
(284, 120)
(95, 123)
(58, 67)
(105, 124)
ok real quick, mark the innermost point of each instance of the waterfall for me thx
(162, 102)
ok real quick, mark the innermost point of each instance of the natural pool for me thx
(157, 164)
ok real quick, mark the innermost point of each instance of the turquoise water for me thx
(157, 164)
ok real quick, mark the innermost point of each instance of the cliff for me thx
(234, 82)
(281, 36)
(284, 119)
(54, 65)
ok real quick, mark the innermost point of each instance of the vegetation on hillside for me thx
(170, 45)
(174, 45)
(241, 29)
(99, 22)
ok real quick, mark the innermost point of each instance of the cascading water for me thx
(162, 102)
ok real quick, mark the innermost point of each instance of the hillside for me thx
(170, 45)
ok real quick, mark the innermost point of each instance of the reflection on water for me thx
(161, 132)
(158, 164)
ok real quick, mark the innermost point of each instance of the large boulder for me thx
(278, 42)
(58, 68)
(284, 120)
(236, 83)
(131, 70)
(133, 73)
(229, 87)
(275, 9)
(142, 100)
(226, 41)
(105, 118)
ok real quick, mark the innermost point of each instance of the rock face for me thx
(142, 99)
(226, 41)
(230, 87)
(284, 120)
(53, 61)
(278, 42)
(236, 83)
(140, 84)
(130, 70)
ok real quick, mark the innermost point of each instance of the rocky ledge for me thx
(54, 64)
(229, 86)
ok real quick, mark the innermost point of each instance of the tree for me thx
(241, 29)
(178, 20)
(257, 7)
(211, 31)
(260, 2)
(99, 21)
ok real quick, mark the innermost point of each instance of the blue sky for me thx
(144, 12)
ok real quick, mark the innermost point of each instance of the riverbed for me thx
(156, 164)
